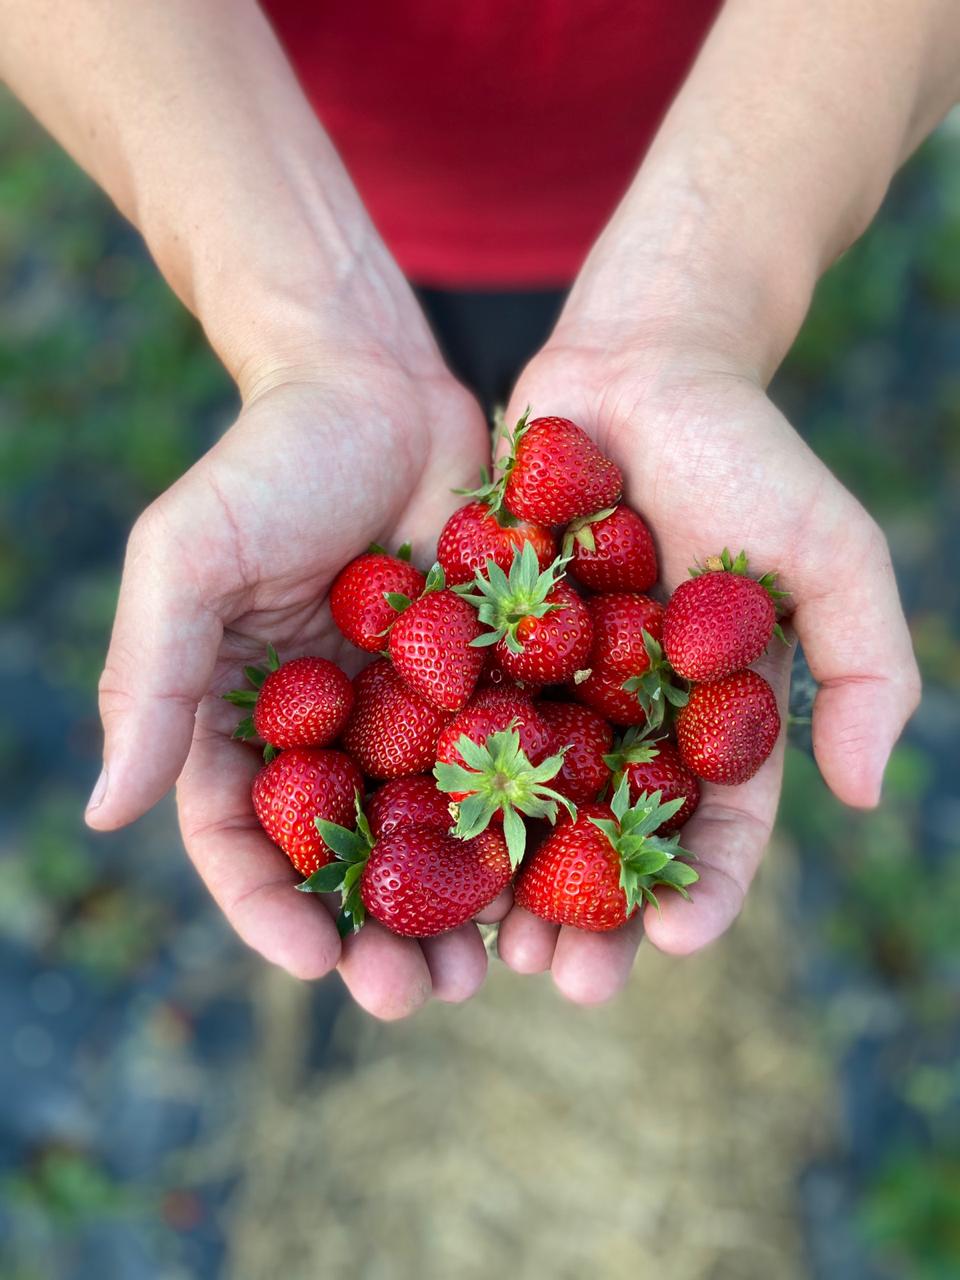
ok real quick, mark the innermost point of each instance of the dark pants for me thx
(487, 338)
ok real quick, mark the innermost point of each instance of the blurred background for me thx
(785, 1105)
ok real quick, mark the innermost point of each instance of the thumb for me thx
(159, 664)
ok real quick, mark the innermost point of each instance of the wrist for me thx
(689, 260)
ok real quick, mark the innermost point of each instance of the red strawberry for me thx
(299, 786)
(612, 551)
(556, 473)
(491, 711)
(720, 620)
(419, 882)
(431, 644)
(728, 728)
(606, 695)
(474, 534)
(493, 676)
(587, 738)
(416, 880)
(301, 703)
(358, 596)
(594, 872)
(392, 731)
(654, 764)
(540, 627)
(406, 802)
(626, 653)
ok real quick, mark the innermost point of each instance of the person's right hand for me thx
(325, 458)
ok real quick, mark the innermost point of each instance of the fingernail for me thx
(99, 791)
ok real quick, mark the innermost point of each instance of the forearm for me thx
(773, 158)
(189, 116)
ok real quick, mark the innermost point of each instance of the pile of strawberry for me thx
(532, 715)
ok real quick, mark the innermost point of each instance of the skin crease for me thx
(773, 158)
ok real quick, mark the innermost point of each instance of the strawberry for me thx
(626, 649)
(719, 620)
(432, 644)
(728, 728)
(555, 473)
(391, 731)
(540, 628)
(416, 880)
(605, 694)
(587, 738)
(358, 596)
(497, 780)
(611, 551)
(493, 676)
(301, 703)
(299, 786)
(594, 872)
(491, 711)
(406, 802)
(474, 534)
(654, 764)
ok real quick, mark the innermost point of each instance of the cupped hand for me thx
(710, 463)
(242, 550)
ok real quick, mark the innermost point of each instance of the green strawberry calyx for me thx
(497, 776)
(436, 581)
(504, 600)
(637, 745)
(404, 553)
(248, 698)
(580, 532)
(493, 483)
(351, 850)
(656, 688)
(726, 563)
(646, 860)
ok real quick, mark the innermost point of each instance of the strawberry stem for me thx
(646, 860)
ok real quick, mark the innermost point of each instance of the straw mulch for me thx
(660, 1136)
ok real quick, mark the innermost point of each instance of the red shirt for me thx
(491, 139)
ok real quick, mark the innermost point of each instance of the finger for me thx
(855, 639)
(457, 962)
(728, 836)
(497, 909)
(387, 975)
(161, 658)
(250, 879)
(590, 968)
(525, 943)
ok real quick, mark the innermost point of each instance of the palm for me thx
(305, 480)
(710, 463)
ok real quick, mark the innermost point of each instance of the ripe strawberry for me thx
(720, 621)
(299, 786)
(612, 551)
(391, 731)
(654, 764)
(587, 738)
(728, 728)
(474, 534)
(417, 880)
(492, 711)
(358, 596)
(493, 676)
(301, 703)
(626, 650)
(555, 473)
(495, 780)
(539, 626)
(594, 872)
(605, 694)
(407, 802)
(432, 645)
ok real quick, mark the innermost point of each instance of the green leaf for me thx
(405, 552)
(270, 753)
(256, 676)
(327, 879)
(344, 843)
(244, 729)
(241, 697)
(397, 600)
(273, 662)
(436, 580)
(486, 638)
(375, 549)
(515, 834)
(473, 816)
